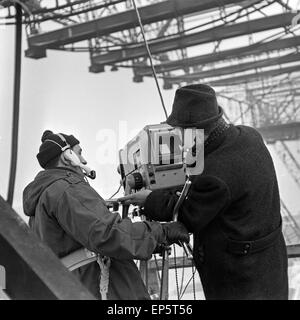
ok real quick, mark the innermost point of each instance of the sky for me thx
(104, 111)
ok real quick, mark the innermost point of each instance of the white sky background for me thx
(58, 93)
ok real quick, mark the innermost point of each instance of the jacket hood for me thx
(42, 181)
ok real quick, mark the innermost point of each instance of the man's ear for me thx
(63, 160)
(71, 157)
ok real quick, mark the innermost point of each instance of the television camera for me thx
(162, 157)
(156, 157)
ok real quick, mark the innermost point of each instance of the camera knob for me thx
(135, 181)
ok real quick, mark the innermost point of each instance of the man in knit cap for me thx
(233, 207)
(68, 214)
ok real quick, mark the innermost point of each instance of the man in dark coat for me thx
(233, 207)
(68, 214)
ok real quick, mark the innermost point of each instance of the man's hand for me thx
(137, 198)
(175, 232)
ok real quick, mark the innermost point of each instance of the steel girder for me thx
(278, 94)
(280, 98)
(178, 42)
(293, 251)
(235, 68)
(261, 92)
(254, 76)
(270, 87)
(281, 132)
(284, 85)
(38, 43)
(254, 49)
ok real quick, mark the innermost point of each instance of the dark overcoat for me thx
(233, 210)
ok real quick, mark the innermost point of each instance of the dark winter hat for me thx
(53, 145)
(194, 106)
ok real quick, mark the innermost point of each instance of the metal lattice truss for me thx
(247, 50)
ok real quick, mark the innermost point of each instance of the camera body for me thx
(154, 159)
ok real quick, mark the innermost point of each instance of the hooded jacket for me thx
(233, 211)
(67, 214)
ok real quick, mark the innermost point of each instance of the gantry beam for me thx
(254, 76)
(271, 89)
(280, 100)
(235, 68)
(125, 20)
(258, 86)
(184, 41)
(286, 81)
(293, 251)
(279, 93)
(254, 49)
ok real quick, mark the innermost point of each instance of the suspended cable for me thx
(115, 192)
(150, 57)
(123, 180)
(16, 104)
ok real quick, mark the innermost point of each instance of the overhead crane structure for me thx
(177, 32)
(110, 29)
(202, 37)
(117, 22)
(247, 50)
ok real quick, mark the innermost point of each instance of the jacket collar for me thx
(215, 141)
(70, 170)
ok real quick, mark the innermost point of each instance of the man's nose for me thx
(83, 161)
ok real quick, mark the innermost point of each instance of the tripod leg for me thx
(144, 272)
(125, 209)
(164, 289)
